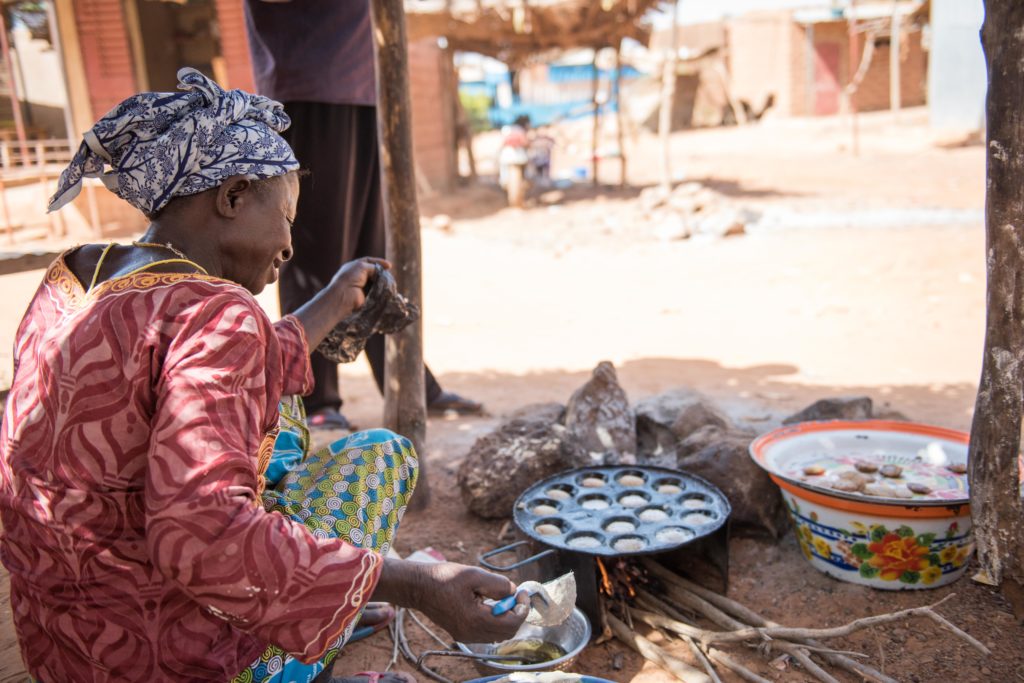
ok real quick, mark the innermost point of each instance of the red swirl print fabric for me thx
(133, 531)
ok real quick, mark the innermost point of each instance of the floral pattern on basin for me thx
(869, 552)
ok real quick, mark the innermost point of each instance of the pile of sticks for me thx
(742, 625)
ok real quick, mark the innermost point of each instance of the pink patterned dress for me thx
(140, 420)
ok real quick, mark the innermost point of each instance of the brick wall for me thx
(106, 53)
(760, 58)
(873, 92)
(234, 45)
(431, 99)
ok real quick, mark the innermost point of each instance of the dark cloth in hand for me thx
(385, 311)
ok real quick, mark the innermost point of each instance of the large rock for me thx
(839, 408)
(664, 420)
(523, 450)
(720, 456)
(599, 418)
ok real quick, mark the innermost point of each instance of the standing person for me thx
(316, 57)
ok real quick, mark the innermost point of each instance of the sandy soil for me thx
(520, 305)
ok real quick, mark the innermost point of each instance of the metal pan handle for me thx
(483, 559)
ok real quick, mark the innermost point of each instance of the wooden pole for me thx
(596, 130)
(996, 508)
(895, 93)
(668, 95)
(405, 410)
(19, 122)
(619, 116)
(851, 70)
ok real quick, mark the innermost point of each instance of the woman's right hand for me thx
(452, 596)
(456, 603)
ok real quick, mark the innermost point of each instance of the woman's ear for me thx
(232, 194)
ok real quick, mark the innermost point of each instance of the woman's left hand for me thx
(339, 299)
(351, 280)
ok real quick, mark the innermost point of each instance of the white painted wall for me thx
(957, 78)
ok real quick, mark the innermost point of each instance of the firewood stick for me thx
(702, 658)
(653, 653)
(943, 621)
(754, 619)
(719, 657)
(796, 651)
(703, 636)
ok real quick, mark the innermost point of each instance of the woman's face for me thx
(259, 240)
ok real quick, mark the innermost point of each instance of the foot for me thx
(374, 677)
(450, 402)
(329, 418)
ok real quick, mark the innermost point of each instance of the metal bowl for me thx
(572, 635)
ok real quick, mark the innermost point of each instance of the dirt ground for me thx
(521, 304)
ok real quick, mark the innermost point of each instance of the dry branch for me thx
(653, 653)
(752, 618)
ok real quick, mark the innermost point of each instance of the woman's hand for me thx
(452, 596)
(350, 281)
(338, 300)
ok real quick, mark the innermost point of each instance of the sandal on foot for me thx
(450, 402)
(376, 617)
(329, 418)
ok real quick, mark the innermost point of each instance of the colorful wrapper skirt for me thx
(356, 488)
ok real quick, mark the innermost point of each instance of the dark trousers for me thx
(340, 218)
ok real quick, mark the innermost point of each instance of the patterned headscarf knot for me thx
(154, 146)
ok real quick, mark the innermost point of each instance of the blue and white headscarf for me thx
(159, 146)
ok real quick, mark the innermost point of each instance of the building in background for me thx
(958, 79)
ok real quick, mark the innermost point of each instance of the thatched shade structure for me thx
(513, 31)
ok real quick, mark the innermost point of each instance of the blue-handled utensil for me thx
(537, 600)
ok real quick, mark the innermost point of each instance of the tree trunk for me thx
(996, 508)
(405, 409)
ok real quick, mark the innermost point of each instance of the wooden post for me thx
(895, 93)
(851, 70)
(619, 116)
(596, 130)
(668, 95)
(996, 508)
(405, 410)
(19, 123)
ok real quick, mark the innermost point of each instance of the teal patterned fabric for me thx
(356, 488)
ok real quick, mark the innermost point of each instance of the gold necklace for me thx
(172, 248)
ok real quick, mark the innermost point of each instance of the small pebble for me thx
(919, 488)
(631, 480)
(547, 530)
(696, 519)
(584, 542)
(654, 515)
(544, 510)
(891, 471)
(900, 492)
(632, 501)
(593, 482)
(594, 504)
(957, 467)
(673, 535)
(620, 527)
(865, 466)
(629, 545)
(669, 489)
(856, 477)
(557, 494)
(814, 470)
(694, 503)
